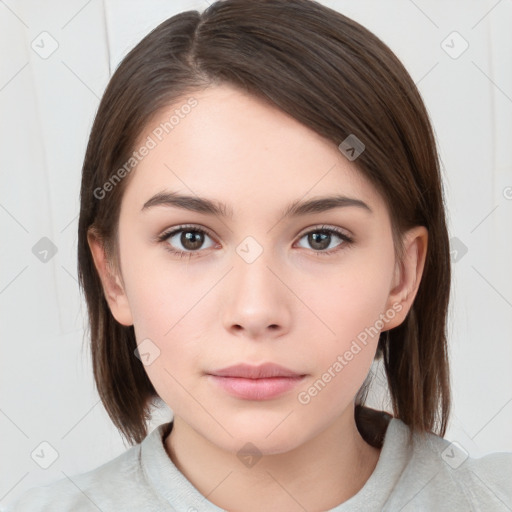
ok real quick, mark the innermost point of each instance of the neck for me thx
(320, 474)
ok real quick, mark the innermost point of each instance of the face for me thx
(309, 291)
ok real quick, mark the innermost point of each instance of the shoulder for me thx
(83, 492)
(489, 479)
(440, 475)
(120, 482)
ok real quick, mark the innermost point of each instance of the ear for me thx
(112, 286)
(407, 276)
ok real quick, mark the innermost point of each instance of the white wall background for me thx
(47, 107)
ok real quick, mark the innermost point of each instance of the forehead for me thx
(239, 149)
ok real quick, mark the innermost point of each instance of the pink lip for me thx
(256, 382)
(261, 371)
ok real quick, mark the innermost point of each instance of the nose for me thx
(258, 300)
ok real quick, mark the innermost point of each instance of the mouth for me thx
(256, 382)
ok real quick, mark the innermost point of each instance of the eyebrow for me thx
(211, 207)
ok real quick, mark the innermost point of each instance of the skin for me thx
(289, 306)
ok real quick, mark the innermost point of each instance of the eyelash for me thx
(347, 241)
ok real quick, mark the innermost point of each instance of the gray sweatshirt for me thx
(429, 474)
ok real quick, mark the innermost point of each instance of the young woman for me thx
(261, 217)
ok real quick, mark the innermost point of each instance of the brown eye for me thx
(320, 240)
(185, 241)
(191, 240)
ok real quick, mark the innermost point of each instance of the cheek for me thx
(169, 311)
(351, 304)
(353, 307)
(168, 305)
(354, 310)
(157, 294)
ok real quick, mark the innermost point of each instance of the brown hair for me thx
(337, 78)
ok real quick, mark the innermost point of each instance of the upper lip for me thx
(255, 372)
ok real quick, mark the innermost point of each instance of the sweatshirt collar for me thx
(170, 484)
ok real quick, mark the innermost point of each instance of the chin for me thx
(269, 437)
(246, 444)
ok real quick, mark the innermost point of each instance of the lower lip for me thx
(256, 389)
